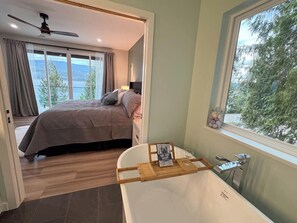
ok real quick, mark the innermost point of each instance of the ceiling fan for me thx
(44, 29)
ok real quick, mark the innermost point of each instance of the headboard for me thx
(136, 86)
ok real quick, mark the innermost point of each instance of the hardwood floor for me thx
(21, 121)
(49, 176)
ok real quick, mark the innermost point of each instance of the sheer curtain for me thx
(32, 57)
(108, 73)
(98, 67)
(38, 73)
(22, 96)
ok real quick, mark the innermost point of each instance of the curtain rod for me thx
(64, 47)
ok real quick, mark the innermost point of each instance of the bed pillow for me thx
(121, 93)
(131, 101)
(137, 112)
(110, 98)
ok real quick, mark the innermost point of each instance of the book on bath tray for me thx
(164, 155)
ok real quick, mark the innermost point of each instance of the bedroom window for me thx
(54, 89)
(262, 89)
(50, 77)
(86, 76)
(58, 76)
(38, 72)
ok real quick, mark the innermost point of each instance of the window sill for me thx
(266, 150)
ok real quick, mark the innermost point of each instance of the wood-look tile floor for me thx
(21, 121)
(49, 176)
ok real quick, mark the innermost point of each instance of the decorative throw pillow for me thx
(104, 96)
(131, 101)
(110, 98)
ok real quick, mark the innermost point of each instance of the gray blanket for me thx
(76, 122)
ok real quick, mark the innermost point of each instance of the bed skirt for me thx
(81, 147)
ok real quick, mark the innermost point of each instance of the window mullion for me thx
(69, 72)
(90, 73)
(48, 80)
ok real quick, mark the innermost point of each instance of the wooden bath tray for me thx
(152, 171)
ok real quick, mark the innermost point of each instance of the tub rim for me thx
(126, 202)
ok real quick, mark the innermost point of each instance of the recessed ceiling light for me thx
(14, 26)
(99, 40)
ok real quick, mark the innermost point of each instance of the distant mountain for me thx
(79, 72)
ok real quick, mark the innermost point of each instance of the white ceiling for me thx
(114, 31)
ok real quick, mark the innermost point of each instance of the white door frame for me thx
(9, 160)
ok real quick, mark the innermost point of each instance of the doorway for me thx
(148, 17)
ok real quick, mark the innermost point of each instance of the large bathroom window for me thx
(262, 92)
(61, 75)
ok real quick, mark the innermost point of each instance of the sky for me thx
(246, 37)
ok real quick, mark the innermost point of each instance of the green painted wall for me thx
(175, 31)
(271, 185)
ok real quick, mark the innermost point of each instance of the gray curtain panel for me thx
(108, 73)
(22, 96)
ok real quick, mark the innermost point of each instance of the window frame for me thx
(68, 52)
(225, 72)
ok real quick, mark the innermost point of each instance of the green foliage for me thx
(58, 89)
(238, 90)
(43, 93)
(236, 98)
(269, 92)
(89, 89)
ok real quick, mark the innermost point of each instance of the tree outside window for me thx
(55, 83)
(90, 87)
(263, 88)
(58, 89)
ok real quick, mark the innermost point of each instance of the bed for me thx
(82, 122)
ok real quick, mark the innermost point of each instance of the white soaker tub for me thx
(199, 197)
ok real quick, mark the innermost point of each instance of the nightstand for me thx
(136, 132)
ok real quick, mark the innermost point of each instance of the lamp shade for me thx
(125, 87)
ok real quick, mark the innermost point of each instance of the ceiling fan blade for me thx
(64, 33)
(20, 20)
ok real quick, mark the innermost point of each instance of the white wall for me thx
(121, 68)
(270, 183)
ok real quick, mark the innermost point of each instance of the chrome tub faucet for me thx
(237, 168)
